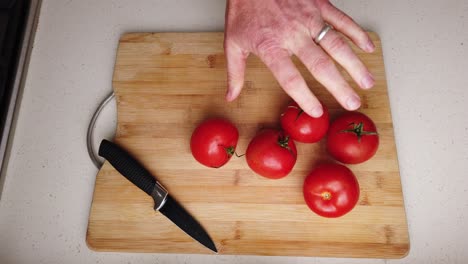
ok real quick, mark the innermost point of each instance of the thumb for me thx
(235, 60)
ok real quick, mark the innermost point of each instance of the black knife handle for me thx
(127, 166)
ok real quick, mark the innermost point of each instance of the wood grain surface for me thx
(166, 84)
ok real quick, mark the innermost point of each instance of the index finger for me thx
(289, 77)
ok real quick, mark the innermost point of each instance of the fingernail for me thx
(368, 81)
(316, 111)
(353, 102)
(370, 46)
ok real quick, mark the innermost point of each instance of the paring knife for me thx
(163, 202)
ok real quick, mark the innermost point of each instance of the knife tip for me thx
(212, 247)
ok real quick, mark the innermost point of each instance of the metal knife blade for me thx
(163, 202)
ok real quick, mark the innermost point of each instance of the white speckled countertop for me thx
(49, 179)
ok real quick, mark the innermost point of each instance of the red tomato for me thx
(331, 190)
(352, 138)
(301, 126)
(213, 142)
(271, 154)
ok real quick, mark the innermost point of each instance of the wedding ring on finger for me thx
(322, 33)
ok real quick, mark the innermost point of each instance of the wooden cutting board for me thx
(167, 83)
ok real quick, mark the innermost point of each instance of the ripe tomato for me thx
(213, 142)
(301, 126)
(331, 190)
(271, 154)
(352, 138)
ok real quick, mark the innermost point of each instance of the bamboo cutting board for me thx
(165, 85)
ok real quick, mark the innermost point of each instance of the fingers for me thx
(345, 24)
(321, 66)
(289, 77)
(337, 47)
(235, 60)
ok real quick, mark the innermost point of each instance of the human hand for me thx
(276, 29)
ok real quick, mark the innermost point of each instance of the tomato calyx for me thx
(283, 142)
(358, 129)
(231, 151)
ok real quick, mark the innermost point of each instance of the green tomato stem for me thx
(232, 151)
(358, 129)
(283, 141)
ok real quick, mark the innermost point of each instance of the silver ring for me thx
(322, 33)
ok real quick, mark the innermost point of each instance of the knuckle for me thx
(291, 82)
(266, 45)
(320, 64)
(337, 44)
(292, 28)
(314, 23)
(343, 20)
(267, 48)
(232, 77)
(262, 38)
